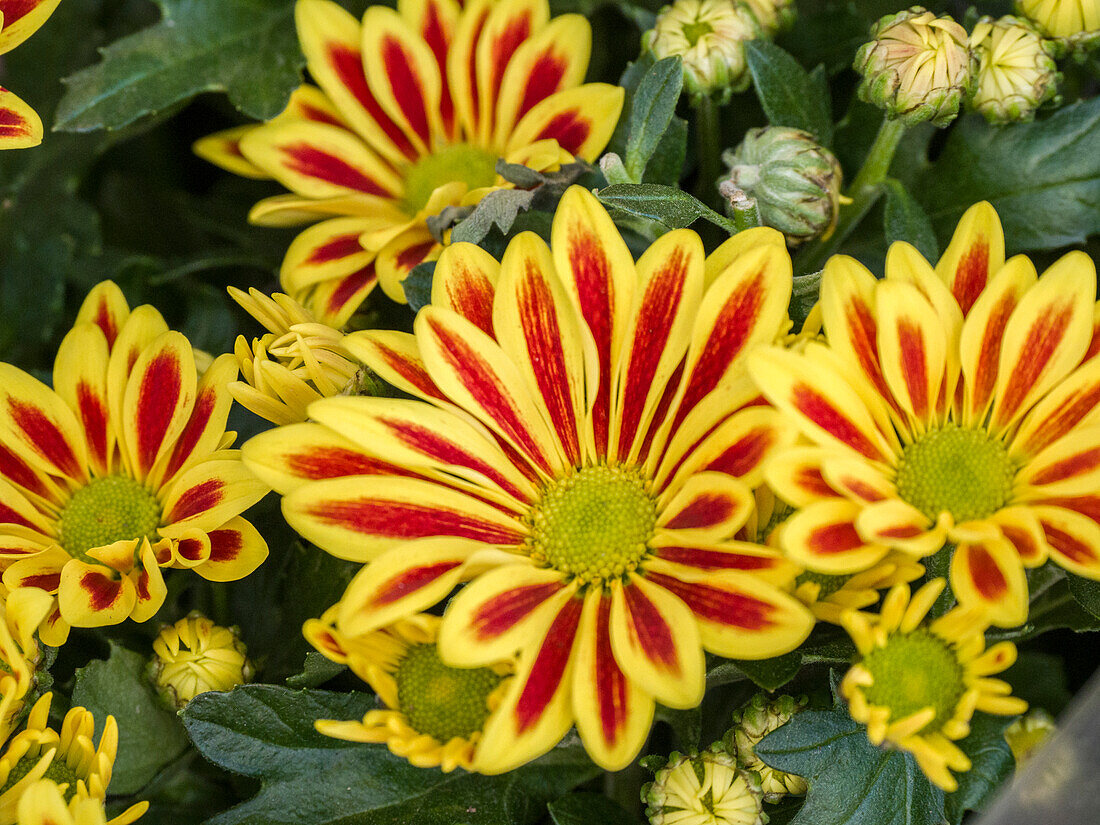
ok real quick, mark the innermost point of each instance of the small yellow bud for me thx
(771, 15)
(1016, 72)
(917, 67)
(705, 788)
(195, 655)
(1027, 734)
(1073, 23)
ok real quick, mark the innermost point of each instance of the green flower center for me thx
(828, 584)
(59, 771)
(472, 165)
(107, 510)
(594, 524)
(913, 671)
(441, 701)
(964, 472)
(696, 30)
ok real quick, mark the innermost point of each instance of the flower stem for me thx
(707, 136)
(864, 192)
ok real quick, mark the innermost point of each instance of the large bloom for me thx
(119, 470)
(20, 125)
(584, 447)
(415, 107)
(952, 405)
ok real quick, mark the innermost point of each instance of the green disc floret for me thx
(473, 166)
(913, 671)
(828, 584)
(594, 524)
(442, 701)
(59, 771)
(115, 508)
(961, 471)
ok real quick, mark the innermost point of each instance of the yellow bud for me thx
(1072, 22)
(195, 655)
(1016, 72)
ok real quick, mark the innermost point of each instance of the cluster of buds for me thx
(751, 724)
(193, 656)
(794, 181)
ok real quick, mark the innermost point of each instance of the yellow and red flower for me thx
(952, 405)
(121, 469)
(415, 106)
(20, 125)
(583, 445)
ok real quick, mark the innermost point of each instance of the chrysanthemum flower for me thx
(297, 362)
(21, 614)
(194, 656)
(416, 106)
(80, 768)
(20, 125)
(828, 596)
(434, 714)
(43, 803)
(584, 447)
(917, 686)
(1070, 21)
(949, 406)
(706, 788)
(119, 470)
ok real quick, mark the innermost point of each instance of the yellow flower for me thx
(583, 445)
(43, 803)
(80, 769)
(1072, 22)
(435, 714)
(704, 789)
(195, 655)
(22, 612)
(828, 596)
(119, 470)
(297, 362)
(950, 405)
(20, 125)
(917, 685)
(1016, 72)
(414, 109)
(751, 724)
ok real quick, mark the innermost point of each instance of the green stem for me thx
(746, 216)
(864, 192)
(708, 138)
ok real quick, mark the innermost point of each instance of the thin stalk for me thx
(708, 140)
(864, 192)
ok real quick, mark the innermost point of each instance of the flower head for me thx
(705, 788)
(709, 36)
(414, 109)
(917, 67)
(79, 769)
(434, 714)
(583, 445)
(1016, 71)
(751, 724)
(195, 655)
(1073, 23)
(21, 614)
(20, 125)
(917, 685)
(120, 470)
(949, 405)
(829, 595)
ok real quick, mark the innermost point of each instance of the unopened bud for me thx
(1027, 734)
(194, 656)
(1072, 24)
(710, 782)
(1016, 70)
(795, 181)
(759, 718)
(709, 36)
(917, 67)
(771, 15)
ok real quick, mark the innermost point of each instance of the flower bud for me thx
(759, 718)
(1073, 24)
(917, 67)
(195, 655)
(771, 15)
(709, 36)
(796, 182)
(704, 787)
(1027, 734)
(1016, 70)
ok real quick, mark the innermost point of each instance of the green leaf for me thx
(672, 207)
(992, 763)
(906, 220)
(316, 670)
(653, 107)
(149, 735)
(588, 809)
(246, 48)
(772, 674)
(807, 289)
(1055, 609)
(1043, 178)
(267, 732)
(790, 95)
(851, 781)
(418, 285)
(1086, 592)
(667, 163)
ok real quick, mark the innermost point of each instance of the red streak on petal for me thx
(861, 489)
(717, 605)
(1069, 413)
(198, 499)
(503, 47)
(13, 124)
(1046, 333)
(988, 579)
(190, 549)
(316, 163)
(502, 612)
(413, 255)
(906, 531)
(225, 545)
(821, 411)
(549, 666)
(102, 591)
(650, 631)
(350, 286)
(475, 94)
(1022, 540)
(706, 510)
(834, 538)
(862, 331)
(401, 72)
(409, 581)
(143, 586)
(595, 288)
(44, 581)
(438, 39)
(543, 80)
(348, 65)
(17, 9)
(745, 454)
(93, 416)
(319, 115)
(106, 322)
(612, 692)
(158, 395)
(971, 274)
(340, 246)
(193, 431)
(1094, 344)
(570, 129)
(989, 354)
(811, 480)
(661, 413)
(1069, 467)
(1069, 545)
(412, 370)
(1088, 505)
(914, 365)
(404, 520)
(15, 469)
(333, 462)
(45, 437)
(471, 296)
(714, 559)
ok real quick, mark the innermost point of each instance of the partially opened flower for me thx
(194, 656)
(22, 612)
(80, 768)
(583, 445)
(1071, 22)
(20, 125)
(434, 713)
(952, 405)
(416, 106)
(1016, 70)
(120, 470)
(828, 596)
(917, 685)
(705, 788)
